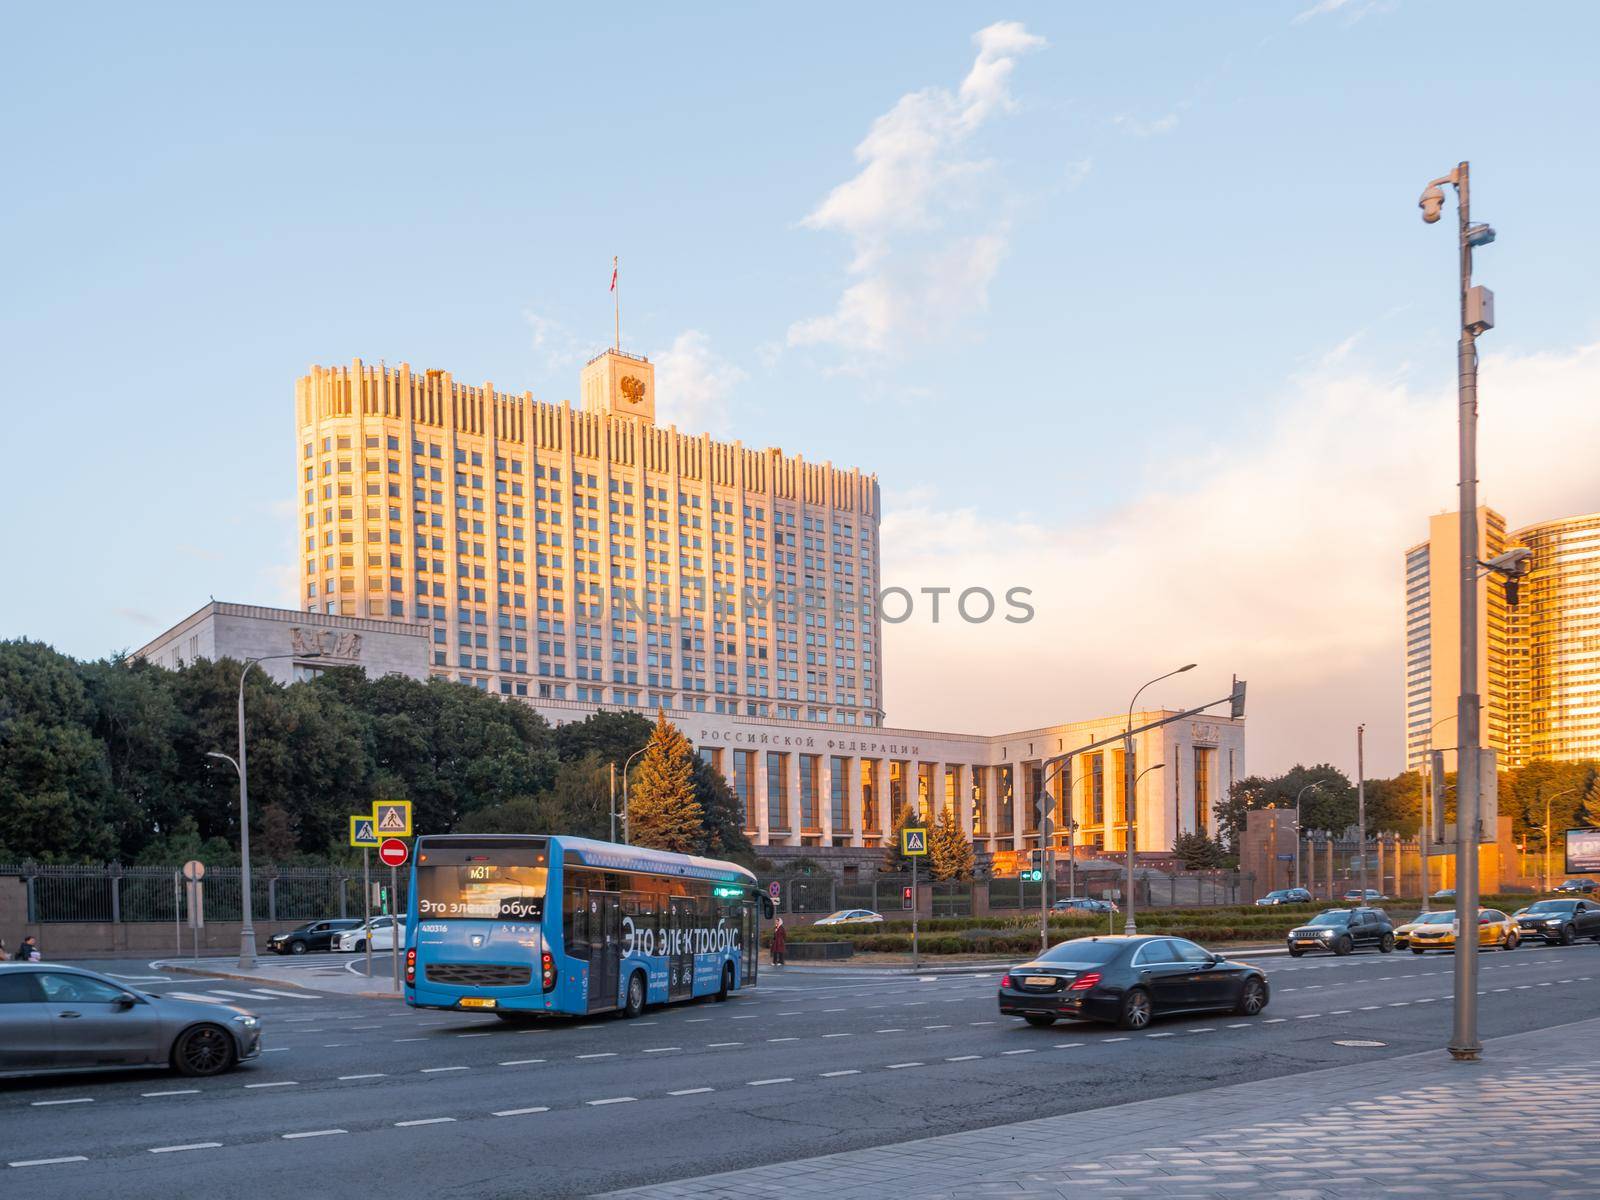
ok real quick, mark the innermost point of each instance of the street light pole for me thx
(1361, 805)
(1299, 829)
(247, 931)
(625, 767)
(1130, 926)
(1476, 315)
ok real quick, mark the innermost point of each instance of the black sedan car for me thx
(313, 935)
(1127, 981)
(1294, 895)
(1342, 930)
(58, 1018)
(1560, 921)
(1577, 887)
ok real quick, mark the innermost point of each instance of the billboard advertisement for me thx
(1583, 851)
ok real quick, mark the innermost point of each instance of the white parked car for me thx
(852, 916)
(380, 931)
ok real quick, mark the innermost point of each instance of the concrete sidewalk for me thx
(1521, 1123)
(318, 974)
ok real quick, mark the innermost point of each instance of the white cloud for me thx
(910, 211)
(693, 384)
(555, 346)
(1280, 560)
(1131, 124)
(1353, 10)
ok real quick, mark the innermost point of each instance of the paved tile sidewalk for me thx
(1395, 1127)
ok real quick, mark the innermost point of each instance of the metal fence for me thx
(147, 895)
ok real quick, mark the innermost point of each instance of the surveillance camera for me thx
(1431, 203)
(1512, 562)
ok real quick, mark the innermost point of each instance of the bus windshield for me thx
(487, 884)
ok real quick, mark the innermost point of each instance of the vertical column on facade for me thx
(824, 777)
(791, 768)
(757, 798)
(963, 798)
(852, 800)
(1019, 793)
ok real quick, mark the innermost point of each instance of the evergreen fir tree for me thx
(893, 861)
(663, 811)
(949, 853)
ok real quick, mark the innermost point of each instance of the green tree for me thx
(722, 826)
(662, 809)
(949, 853)
(1196, 851)
(1331, 806)
(609, 736)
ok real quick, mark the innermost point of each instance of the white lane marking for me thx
(195, 996)
(234, 995)
(836, 1074)
(1429, 1000)
(289, 1137)
(141, 978)
(765, 1082)
(936, 1027)
(275, 1049)
(373, 1075)
(174, 1092)
(1275, 1020)
(1307, 1016)
(520, 1112)
(1030, 1050)
(48, 1103)
(829, 1035)
(46, 1162)
(190, 1146)
(613, 1100)
(1241, 1025)
(793, 1012)
(691, 1091)
(834, 1010)
(1370, 1007)
(1158, 1035)
(335, 1045)
(1213, 1028)
(521, 1062)
(439, 1070)
(665, 1049)
(1067, 1045)
(896, 1029)
(602, 1054)
(265, 991)
(784, 1039)
(1400, 1004)
(720, 1045)
(898, 1066)
(1338, 1012)
(746, 1017)
(1121, 1039)
(410, 1039)
(472, 1035)
(280, 1083)
(980, 1022)
(425, 1121)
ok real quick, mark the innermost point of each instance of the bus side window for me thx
(575, 907)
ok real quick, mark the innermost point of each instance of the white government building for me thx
(580, 560)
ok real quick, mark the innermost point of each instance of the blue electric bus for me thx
(527, 926)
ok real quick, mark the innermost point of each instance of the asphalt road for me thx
(366, 1098)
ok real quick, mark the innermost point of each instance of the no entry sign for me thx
(393, 852)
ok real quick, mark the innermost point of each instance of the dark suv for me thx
(1563, 921)
(1342, 930)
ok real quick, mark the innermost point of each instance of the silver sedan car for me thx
(59, 1018)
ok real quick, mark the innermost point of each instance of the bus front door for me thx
(749, 944)
(680, 964)
(605, 949)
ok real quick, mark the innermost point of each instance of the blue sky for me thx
(1144, 248)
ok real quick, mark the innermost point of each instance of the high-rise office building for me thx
(588, 554)
(1539, 662)
(1558, 619)
(1433, 637)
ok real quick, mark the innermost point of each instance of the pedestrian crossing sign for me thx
(392, 817)
(913, 842)
(362, 831)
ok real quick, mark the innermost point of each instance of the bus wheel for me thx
(635, 1001)
(727, 982)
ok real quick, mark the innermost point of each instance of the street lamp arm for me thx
(227, 758)
(1156, 680)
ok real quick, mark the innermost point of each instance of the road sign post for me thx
(193, 872)
(395, 940)
(914, 844)
(366, 903)
(393, 854)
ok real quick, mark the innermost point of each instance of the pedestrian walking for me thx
(28, 951)
(779, 937)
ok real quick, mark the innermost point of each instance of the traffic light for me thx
(1033, 876)
(383, 899)
(905, 897)
(1237, 699)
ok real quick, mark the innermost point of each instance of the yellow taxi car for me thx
(1437, 931)
(1402, 933)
